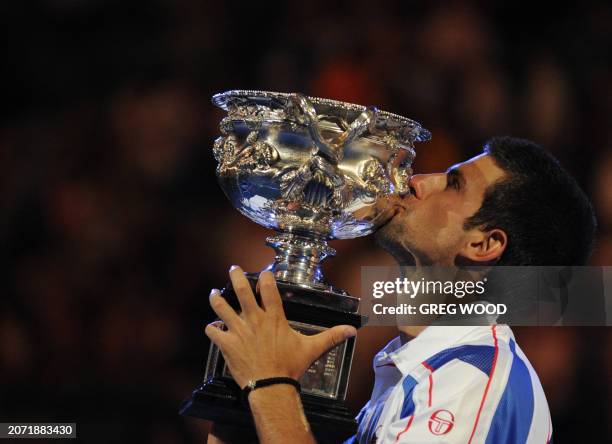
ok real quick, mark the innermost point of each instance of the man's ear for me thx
(484, 246)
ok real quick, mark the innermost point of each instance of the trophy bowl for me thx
(312, 170)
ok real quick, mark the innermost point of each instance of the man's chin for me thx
(386, 236)
(385, 227)
(389, 238)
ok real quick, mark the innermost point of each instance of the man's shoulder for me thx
(486, 365)
(480, 350)
(488, 349)
(495, 370)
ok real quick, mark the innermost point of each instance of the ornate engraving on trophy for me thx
(253, 156)
(373, 174)
(312, 166)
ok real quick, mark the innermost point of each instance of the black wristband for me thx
(254, 385)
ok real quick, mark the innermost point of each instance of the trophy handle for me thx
(308, 116)
(365, 121)
(332, 151)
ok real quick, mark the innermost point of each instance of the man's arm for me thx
(278, 414)
(260, 344)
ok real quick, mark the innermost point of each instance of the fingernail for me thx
(213, 292)
(349, 332)
(234, 267)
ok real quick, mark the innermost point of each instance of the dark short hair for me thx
(547, 217)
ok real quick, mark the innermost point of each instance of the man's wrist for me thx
(268, 399)
(258, 384)
(271, 393)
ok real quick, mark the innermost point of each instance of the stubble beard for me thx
(391, 238)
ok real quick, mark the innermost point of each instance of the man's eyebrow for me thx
(455, 173)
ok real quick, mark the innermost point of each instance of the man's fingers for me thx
(328, 339)
(223, 309)
(243, 290)
(215, 334)
(270, 297)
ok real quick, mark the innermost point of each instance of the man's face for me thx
(428, 223)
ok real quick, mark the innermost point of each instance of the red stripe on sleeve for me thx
(431, 370)
(484, 396)
(405, 430)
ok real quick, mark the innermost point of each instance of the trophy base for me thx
(219, 400)
(309, 311)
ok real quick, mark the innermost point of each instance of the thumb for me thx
(330, 338)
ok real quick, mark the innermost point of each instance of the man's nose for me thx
(426, 184)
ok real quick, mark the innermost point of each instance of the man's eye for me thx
(452, 182)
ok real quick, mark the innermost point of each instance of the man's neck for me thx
(409, 332)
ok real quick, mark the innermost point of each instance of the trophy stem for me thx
(298, 259)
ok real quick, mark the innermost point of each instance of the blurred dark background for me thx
(113, 229)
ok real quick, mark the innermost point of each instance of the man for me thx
(511, 205)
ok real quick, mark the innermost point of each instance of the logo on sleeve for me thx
(441, 422)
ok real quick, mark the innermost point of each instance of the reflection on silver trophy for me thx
(311, 169)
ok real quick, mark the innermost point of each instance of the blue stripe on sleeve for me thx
(514, 413)
(480, 356)
(408, 385)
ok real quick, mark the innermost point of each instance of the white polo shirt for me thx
(455, 385)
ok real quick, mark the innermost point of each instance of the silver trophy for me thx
(312, 170)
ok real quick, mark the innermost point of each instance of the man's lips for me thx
(407, 203)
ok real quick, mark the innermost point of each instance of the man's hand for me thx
(258, 342)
